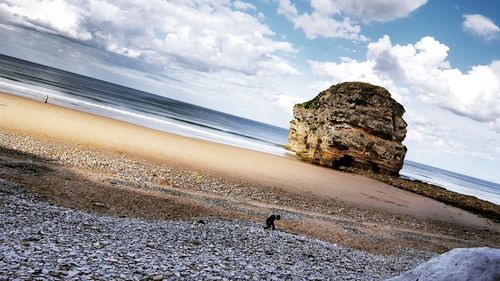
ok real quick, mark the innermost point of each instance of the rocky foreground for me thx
(40, 241)
(138, 220)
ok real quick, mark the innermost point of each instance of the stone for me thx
(73, 273)
(54, 273)
(461, 264)
(158, 277)
(351, 124)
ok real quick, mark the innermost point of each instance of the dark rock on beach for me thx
(351, 124)
(358, 128)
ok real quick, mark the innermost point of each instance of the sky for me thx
(256, 59)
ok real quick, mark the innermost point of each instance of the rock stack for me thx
(351, 124)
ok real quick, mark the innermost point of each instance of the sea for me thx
(39, 82)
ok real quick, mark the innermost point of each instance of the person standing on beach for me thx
(270, 221)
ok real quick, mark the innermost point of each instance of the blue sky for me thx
(256, 59)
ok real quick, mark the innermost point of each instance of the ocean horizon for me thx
(82, 93)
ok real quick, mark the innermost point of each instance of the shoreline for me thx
(119, 185)
(89, 163)
(25, 117)
(472, 203)
(465, 202)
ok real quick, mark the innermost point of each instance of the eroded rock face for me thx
(350, 124)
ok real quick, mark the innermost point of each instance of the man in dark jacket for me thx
(270, 221)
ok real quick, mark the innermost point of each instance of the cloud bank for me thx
(339, 18)
(422, 69)
(201, 34)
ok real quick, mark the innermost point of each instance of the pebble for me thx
(137, 249)
(158, 277)
(147, 175)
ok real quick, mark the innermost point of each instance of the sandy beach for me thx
(87, 162)
(47, 121)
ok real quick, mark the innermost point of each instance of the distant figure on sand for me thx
(270, 221)
(46, 99)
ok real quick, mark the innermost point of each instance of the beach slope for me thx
(50, 122)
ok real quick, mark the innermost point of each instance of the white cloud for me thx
(56, 17)
(333, 18)
(286, 8)
(495, 125)
(439, 143)
(352, 70)
(240, 5)
(481, 25)
(286, 102)
(315, 25)
(378, 10)
(422, 69)
(274, 65)
(187, 34)
(431, 135)
(318, 24)
(320, 86)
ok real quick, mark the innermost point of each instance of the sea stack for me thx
(351, 124)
